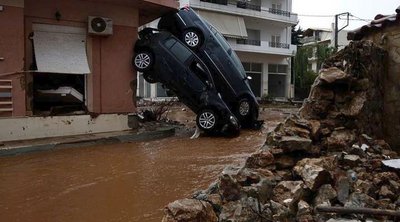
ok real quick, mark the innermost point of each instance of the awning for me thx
(229, 25)
(57, 52)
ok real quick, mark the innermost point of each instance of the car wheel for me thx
(192, 38)
(206, 120)
(244, 107)
(143, 61)
(149, 77)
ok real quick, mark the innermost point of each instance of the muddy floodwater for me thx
(119, 182)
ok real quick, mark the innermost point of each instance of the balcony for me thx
(264, 47)
(243, 8)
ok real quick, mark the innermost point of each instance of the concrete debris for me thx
(189, 210)
(329, 154)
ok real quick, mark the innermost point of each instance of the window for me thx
(180, 51)
(276, 6)
(255, 71)
(276, 38)
(277, 69)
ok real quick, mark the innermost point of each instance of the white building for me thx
(319, 36)
(260, 33)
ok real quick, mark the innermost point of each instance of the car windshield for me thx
(225, 45)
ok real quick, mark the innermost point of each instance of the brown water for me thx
(120, 182)
(123, 182)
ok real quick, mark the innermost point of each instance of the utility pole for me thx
(337, 30)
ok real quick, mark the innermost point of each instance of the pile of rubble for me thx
(327, 158)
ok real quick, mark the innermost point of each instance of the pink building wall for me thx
(109, 57)
(12, 50)
(111, 84)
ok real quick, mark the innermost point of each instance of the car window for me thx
(180, 51)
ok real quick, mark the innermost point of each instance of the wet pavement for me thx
(119, 182)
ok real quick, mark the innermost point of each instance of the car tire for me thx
(244, 108)
(192, 38)
(143, 61)
(149, 77)
(207, 120)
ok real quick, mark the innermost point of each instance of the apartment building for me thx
(260, 33)
(314, 37)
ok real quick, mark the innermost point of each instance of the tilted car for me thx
(226, 69)
(163, 58)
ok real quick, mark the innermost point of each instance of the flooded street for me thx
(119, 182)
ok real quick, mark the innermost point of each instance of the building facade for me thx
(71, 53)
(260, 33)
(314, 37)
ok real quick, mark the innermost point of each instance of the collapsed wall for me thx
(330, 154)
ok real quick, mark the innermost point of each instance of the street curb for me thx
(134, 137)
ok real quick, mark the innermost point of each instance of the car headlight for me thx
(233, 120)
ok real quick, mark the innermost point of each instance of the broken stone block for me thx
(350, 160)
(320, 93)
(313, 173)
(229, 187)
(325, 195)
(355, 106)
(358, 199)
(333, 75)
(242, 210)
(340, 139)
(246, 177)
(279, 211)
(303, 208)
(260, 159)
(289, 193)
(284, 162)
(385, 192)
(294, 143)
(190, 210)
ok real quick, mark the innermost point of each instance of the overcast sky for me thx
(364, 9)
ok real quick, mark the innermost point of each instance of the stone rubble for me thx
(330, 154)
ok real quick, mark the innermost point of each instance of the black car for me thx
(227, 70)
(163, 58)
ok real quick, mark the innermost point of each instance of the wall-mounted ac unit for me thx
(100, 26)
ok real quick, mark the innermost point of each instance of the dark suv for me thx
(227, 70)
(163, 58)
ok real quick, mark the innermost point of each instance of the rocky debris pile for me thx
(328, 155)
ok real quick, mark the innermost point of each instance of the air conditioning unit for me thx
(100, 26)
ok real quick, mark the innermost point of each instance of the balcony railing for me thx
(245, 8)
(279, 45)
(246, 5)
(248, 42)
(279, 12)
(219, 2)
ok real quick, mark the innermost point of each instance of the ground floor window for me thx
(58, 94)
(61, 64)
(277, 75)
(255, 71)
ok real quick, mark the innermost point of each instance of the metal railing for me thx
(279, 12)
(219, 2)
(279, 45)
(246, 5)
(248, 42)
